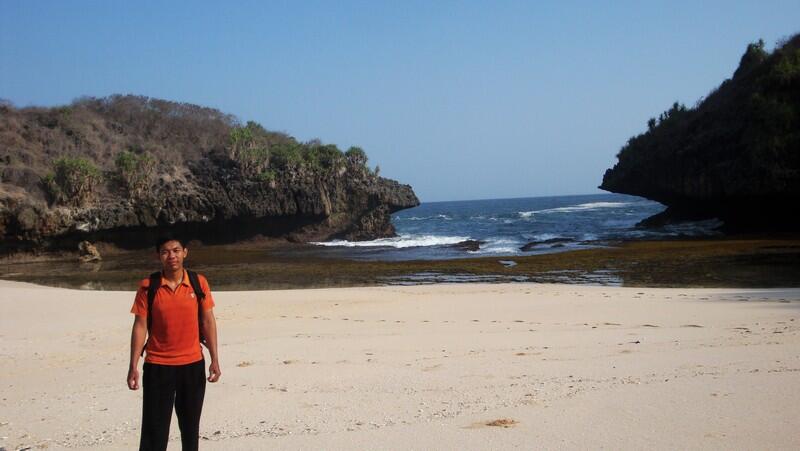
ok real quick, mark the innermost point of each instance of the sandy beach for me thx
(469, 366)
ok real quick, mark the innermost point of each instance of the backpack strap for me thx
(155, 284)
(194, 281)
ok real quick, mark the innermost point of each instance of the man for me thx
(174, 368)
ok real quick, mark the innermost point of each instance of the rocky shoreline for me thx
(743, 261)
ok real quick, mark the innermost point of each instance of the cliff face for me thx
(299, 191)
(735, 156)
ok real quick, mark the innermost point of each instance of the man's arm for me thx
(209, 325)
(138, 335)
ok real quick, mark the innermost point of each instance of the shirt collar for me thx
(185, 280)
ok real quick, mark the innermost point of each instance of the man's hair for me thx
(167, 237)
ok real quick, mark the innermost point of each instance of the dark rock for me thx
(671, 215)
(556, 242)
(87, 252)
(468, 245)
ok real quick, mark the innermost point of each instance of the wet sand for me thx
(467, 366)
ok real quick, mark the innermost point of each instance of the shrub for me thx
(267, 176)
(356, 156)
(322, 157)
(135, 172)
(286, 155)
(253, 160)
(72, 182)
(240, 138)
(249, 148)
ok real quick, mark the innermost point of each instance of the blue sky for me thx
(462, 100)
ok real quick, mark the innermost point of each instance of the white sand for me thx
(425, 367)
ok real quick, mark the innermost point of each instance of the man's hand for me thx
(214, 372)
(133, 379)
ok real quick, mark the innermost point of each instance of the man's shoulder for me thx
(203, 281)
(145, 283)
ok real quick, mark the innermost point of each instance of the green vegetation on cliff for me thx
(735, 155)
(134, 138)
(73, 181)
(121, 167)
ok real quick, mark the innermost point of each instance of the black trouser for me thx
(183, 386)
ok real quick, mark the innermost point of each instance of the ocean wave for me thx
(571, 208)
(498, 246)
(425, 218)
(542, 236)
(399, 242)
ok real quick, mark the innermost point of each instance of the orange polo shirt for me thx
(174, 332)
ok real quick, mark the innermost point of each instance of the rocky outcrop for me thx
(87, 252)
(468, 245)
(735, 156)
(552, 242)
(204, 195)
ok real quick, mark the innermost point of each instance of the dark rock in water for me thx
(87, 252)
(468, 245)
(199, 186)
(735, 156)
(556, 242)
(669, 216)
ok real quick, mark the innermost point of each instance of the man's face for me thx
(171, 255)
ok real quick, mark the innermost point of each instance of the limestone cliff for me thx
(205, 180)
(735, 156)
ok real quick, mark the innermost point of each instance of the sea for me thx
(512, 227)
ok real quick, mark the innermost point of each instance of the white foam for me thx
(498, 246)
(546, 236)
(425, 218)
(579, 207)
(399, 242)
